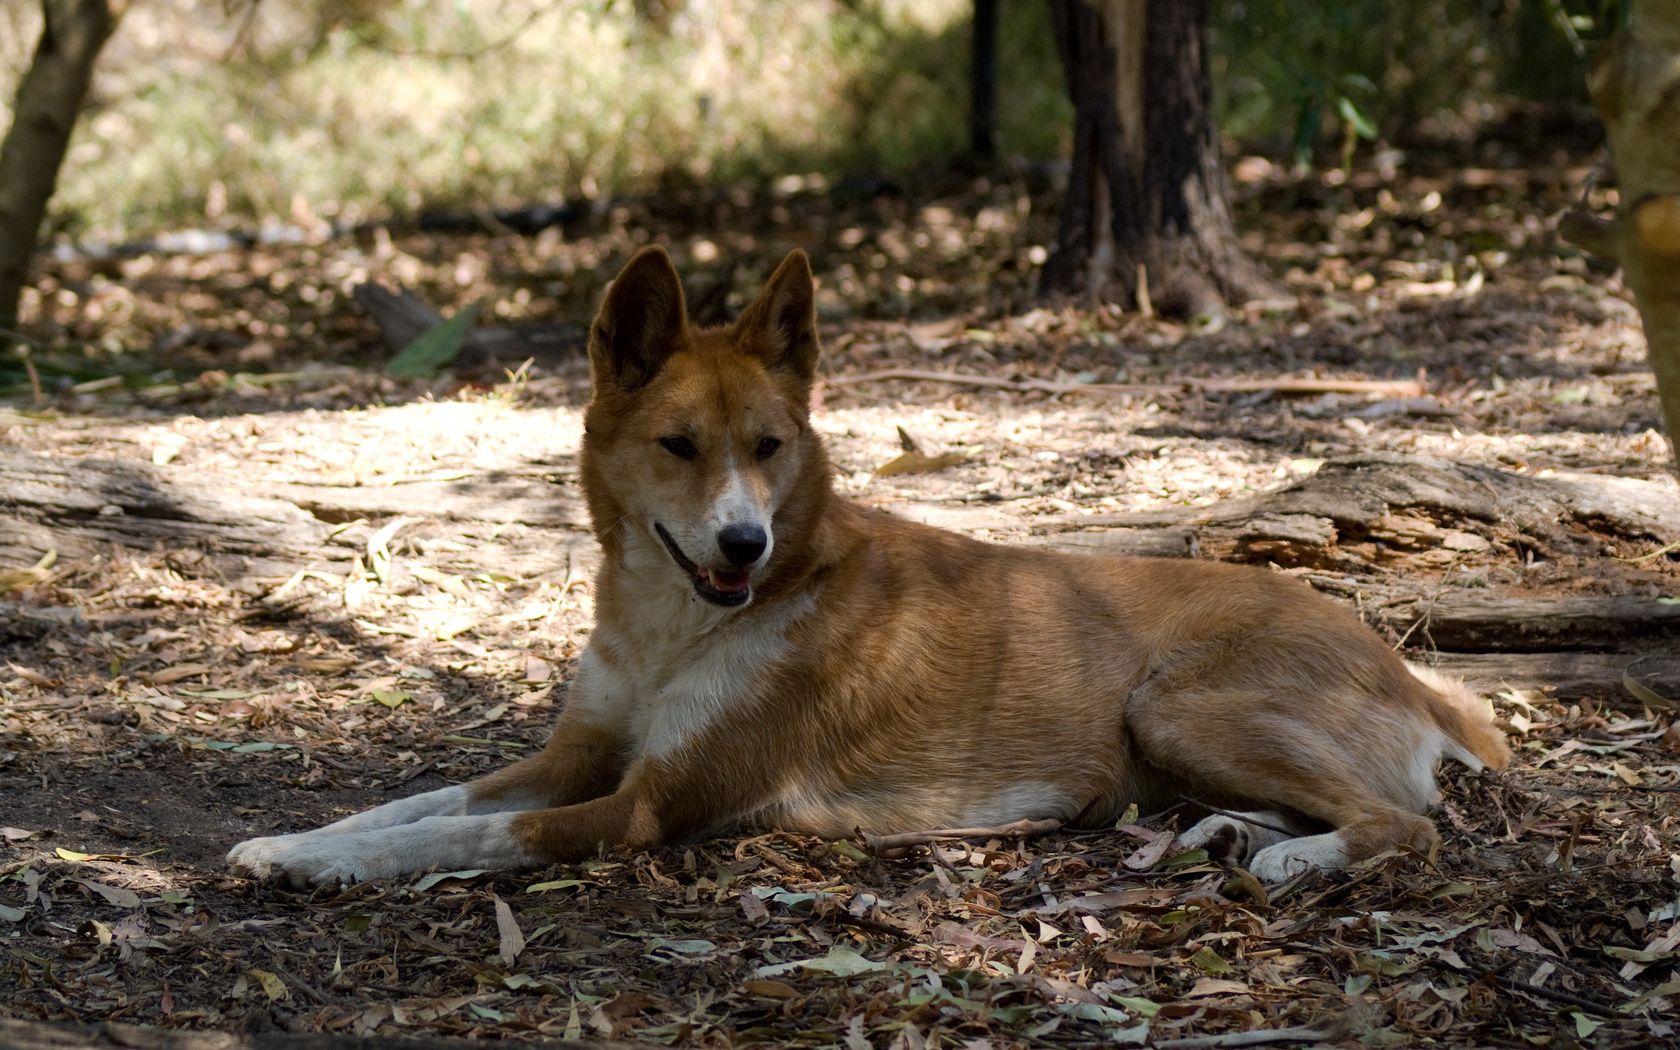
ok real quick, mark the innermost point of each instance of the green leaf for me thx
(1208, 961)
(1356, 117)
(1584, 1025)
(436, 348)
(390, 697)
(840, 961)
(1358, 82)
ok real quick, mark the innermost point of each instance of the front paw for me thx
(304, 859)
(256, 856)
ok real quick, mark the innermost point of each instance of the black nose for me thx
(742, 544)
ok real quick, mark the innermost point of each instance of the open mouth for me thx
(718, 586)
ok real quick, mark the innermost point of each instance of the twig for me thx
(858, 922)
(1016, 829)
(1244, 817)
(1548, 993)
(35, 391)
(1280, 385)
(1260, 1037)
(297, 982)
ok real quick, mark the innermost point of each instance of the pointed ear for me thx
(639, 324)
(780, 326)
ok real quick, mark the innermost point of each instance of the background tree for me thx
(48, 102)
(1636, 84)
(1147, 211)
(982, 80)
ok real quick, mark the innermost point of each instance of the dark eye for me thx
(679, 446)
(767, 447)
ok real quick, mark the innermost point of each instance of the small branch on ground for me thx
(1278, 385)
(1262, 1037)
(1015, 829)
(1246, 818)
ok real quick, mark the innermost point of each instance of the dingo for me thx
(767, 653)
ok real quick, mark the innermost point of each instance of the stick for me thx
(1241, 817)
(1280, 385)
(1498, 977)
(1259, 1037)
(1016, 829)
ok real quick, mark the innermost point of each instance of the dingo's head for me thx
(696, 441)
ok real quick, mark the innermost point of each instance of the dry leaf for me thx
(512, 940)
(122, 898)
(174, 674)
(18, 579)
(33, 677)
(919, 463)
(1150, 853)
(1645, 694)
(272, 985)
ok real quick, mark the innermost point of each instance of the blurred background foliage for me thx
(235, 112)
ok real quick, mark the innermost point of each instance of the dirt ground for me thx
(159, 704)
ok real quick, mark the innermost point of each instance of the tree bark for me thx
(982, 80)
(1635, 83)
(1146, 217)
(48, 101)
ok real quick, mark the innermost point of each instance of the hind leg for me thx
(1245, 733)
(1360, 840)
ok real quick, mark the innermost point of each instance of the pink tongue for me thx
(728, 580)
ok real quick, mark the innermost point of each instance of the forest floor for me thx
(161, 701)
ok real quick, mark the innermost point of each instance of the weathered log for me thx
(1474, 621)
(504, 500)
(39, 1035)
(1354, 496)
(85, 506)
(402, 317)
(1566, 676)
(247, 527)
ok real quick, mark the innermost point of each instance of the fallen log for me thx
(1566, 676)
(1277, 385)
(86, 506)
(1474, 621)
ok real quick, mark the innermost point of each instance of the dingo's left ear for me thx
(639, 324)
(781, 324)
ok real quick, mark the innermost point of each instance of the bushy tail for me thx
(1467, 720)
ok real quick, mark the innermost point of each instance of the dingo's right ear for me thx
(639, 324)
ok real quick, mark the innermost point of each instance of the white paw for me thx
(1289, 858)
(306, 858)
(1226, 840)
(1233, 839)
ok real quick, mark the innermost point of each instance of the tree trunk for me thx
(1636, 85)
(1147, 214)
(982, 81)
(48, 101)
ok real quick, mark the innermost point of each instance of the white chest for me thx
(661, 690)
